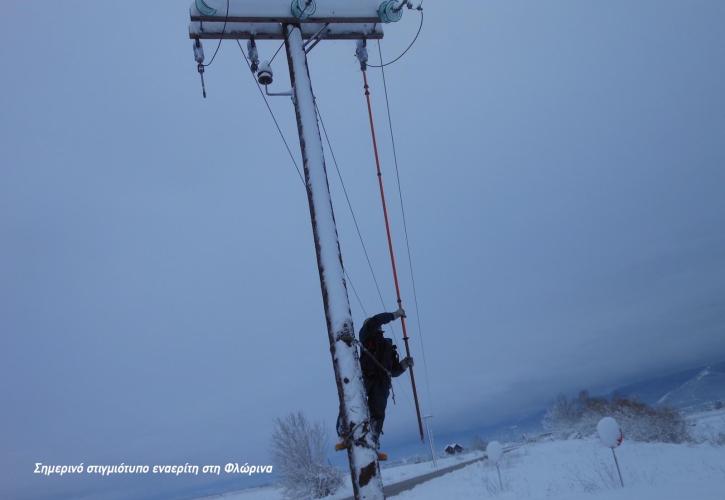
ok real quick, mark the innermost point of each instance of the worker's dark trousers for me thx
(377, 402)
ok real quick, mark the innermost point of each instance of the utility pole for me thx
(313, 20)
(430, 440)
(362, 453)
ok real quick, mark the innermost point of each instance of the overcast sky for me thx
(563, 168)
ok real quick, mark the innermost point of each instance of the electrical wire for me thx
(274, 118)
(342, 182)
(224, 28)
(362, 241)
(299, 173)
(288, 34)
(405, 224)
(278, 49)
(420, 28)
(349, 204)
(391, 250)
(357, 296)
(354, 218)
(347, 198)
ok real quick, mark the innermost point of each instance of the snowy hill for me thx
(706, 387)
(688, 390)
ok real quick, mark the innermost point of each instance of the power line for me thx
(224, 28)
(354, 218)
(342, 182)
(288, 34)
(362, 242)
(277, 51)
(405, 223)
(420, 28)
(349, 204)
(274, 118)
(354, 290)
(391, 250)
(299, 173)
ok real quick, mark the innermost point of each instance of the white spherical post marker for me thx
(611, 436)
(494, 451)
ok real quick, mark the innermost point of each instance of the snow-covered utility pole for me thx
(362, 453)
(295, 22)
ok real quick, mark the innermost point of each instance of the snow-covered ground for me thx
(580, 469)
(707, 426)
(391, 475)
(584, 469)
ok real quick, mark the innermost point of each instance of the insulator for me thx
(390, 11)
(264, 74)
(362, 54)
(198, 52)
(302, 9)
(253, 55)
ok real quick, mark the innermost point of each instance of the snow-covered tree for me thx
(563, 416)
(640, 421)
(299, 455)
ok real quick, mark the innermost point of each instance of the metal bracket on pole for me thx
(315, 39)
(277, 94)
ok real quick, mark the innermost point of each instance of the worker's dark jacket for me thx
(377, 381)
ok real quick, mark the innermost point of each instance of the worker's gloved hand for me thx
(407, 363)
(400, 313)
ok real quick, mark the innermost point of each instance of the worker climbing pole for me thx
(302, 24)
(362, 56)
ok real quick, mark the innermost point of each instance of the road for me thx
(408, 484)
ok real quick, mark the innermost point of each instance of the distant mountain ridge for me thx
(689, 390)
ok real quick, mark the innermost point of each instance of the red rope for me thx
(390, 249)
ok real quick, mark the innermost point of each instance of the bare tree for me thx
(299, 454)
